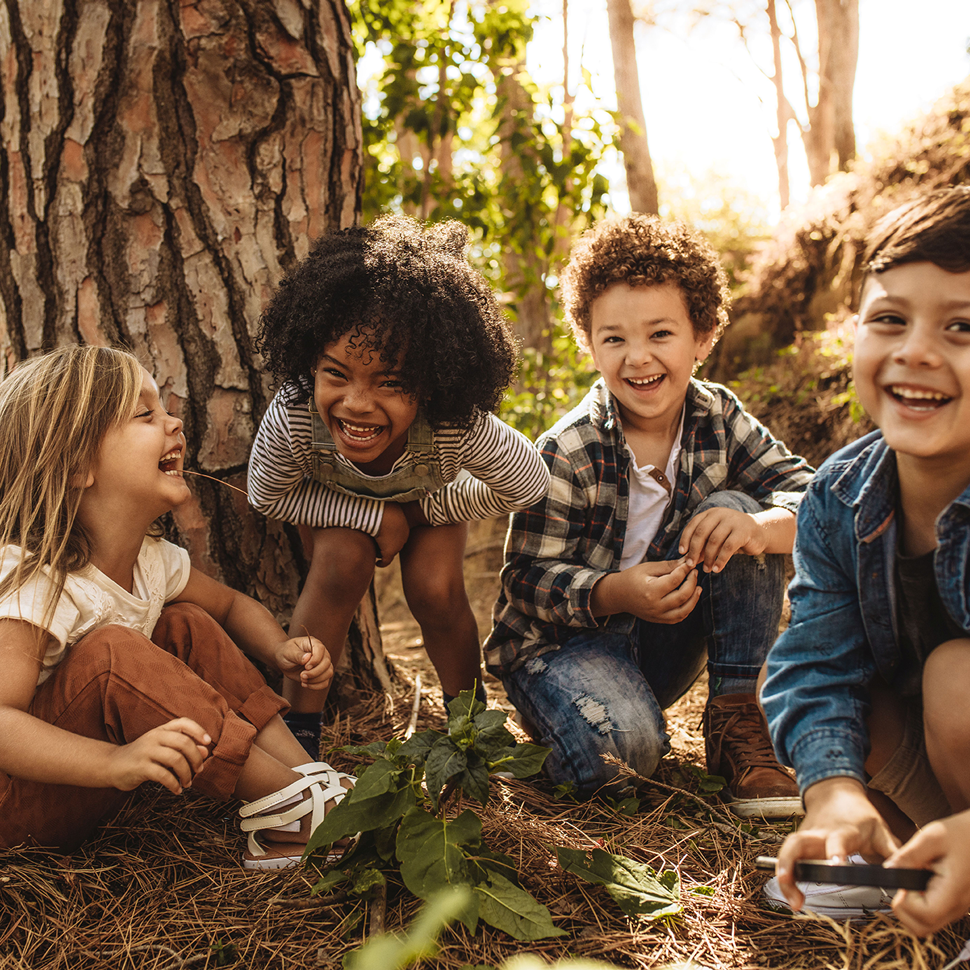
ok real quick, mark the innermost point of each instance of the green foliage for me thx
(399, 808)
(455, 128)
(549, 386)
(637, 889)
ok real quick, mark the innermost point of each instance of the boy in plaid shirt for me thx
(659, 546)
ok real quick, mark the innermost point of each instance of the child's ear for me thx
(704, 347)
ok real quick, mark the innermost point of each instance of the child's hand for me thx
(305, 660)
(943, 846)
(393, 533)
(839, 820)
(170, 754)
(661, 592)
(712, 537)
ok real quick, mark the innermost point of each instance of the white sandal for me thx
(322, 783)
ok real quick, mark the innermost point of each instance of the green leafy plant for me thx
(636, 888)
(403, 806)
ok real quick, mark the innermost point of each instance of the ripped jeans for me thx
(604, 693)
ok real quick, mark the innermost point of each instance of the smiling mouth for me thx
(918, 400)
(645, 382)
(169, 463)
(362, 433)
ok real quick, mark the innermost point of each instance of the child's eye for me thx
(661, 333)
(888, 319)
(147, 413)
(959, 326)
(393, 385)
(612, 339)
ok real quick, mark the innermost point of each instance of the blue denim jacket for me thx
(843, 623)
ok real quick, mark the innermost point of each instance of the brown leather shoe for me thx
(739, 750)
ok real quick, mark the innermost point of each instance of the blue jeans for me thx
(604, 693)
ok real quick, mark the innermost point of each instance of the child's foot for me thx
(306, 727)
(739, 750)
(286, 819)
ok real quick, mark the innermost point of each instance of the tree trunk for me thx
(830, 136)
(783, 110)
(162, 165)
(640, 180)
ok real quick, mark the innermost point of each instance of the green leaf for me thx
(512, 910)
(430, 850)
(390, 951)
(328, 881)
(366, 881)
(473, 781)
(415, 750)
(382, 794)
(483, 861)
(373, 750)
(527, 759)
(636, 888)
(464, 705)
(444, 761)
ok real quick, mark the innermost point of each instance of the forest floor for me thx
(160, 887)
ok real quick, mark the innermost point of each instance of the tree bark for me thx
(641, 183)
(830, 136)
(163, 163)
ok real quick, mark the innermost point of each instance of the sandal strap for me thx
(257, 816)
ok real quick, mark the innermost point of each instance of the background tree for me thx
(640, 181)
(162, 165)
(826, 72)
(454, 127)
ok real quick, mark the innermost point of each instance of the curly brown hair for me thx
(642, 250)
(408, 290)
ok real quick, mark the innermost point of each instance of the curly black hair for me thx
(641, 250)
(408, 290)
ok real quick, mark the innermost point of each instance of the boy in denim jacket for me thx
(658, 547)
(867, 689)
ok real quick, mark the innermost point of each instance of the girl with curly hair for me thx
(392, 354)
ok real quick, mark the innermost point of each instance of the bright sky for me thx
(708, 107)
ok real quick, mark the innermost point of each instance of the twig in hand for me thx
(241, 491)
(413, 723)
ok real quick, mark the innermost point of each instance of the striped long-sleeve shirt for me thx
(558, 549)
(506, 474)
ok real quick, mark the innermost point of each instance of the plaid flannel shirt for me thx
(560, 547)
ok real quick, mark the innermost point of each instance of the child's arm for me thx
(508, 473)
(712, 537)
(252, 628)
(37, 751)
(944, 846)
(839, 821)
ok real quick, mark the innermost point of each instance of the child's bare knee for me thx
(343, 558)
(946, 685)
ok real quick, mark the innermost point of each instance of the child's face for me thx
(360, 400)
(912, 360)
(138, 471)
(644, 345)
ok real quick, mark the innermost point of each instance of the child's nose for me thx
(358, 397)
(918, 348)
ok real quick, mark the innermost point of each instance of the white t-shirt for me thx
(650, 491)
(91, 600)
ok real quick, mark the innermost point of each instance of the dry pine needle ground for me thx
(161, 887)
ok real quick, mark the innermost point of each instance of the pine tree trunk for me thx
(162, 165)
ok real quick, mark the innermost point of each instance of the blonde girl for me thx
(120, 663)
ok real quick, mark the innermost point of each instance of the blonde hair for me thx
(54, 413)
